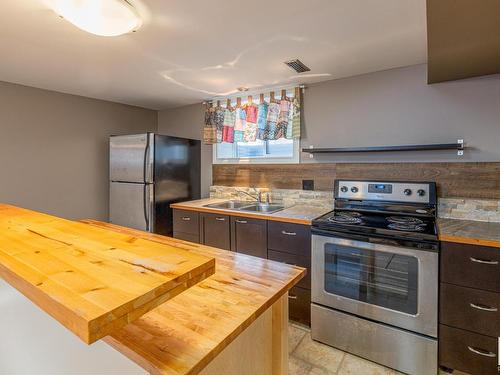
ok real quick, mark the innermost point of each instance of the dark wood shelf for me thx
(441, 146)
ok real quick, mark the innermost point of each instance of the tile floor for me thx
(308, 357)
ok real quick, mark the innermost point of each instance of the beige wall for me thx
(187, 122)
(54, 149)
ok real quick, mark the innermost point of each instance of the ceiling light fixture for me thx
(99, 17)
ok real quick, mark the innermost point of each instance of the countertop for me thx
(469, 232)
(298, 214)
(93, 281)
(184, 334)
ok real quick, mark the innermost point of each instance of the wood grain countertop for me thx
(92, 280)
(298, 214)
(469, 232)
(184, 334)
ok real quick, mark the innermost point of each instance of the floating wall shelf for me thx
(459, 146)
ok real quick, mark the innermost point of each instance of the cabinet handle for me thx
(288, 233)
(483, 261)
(483, 307)
(220, 218)
(185, 218)
(482, 352)
(241, 221)
(291, 296)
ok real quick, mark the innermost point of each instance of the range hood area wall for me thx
(463, 39)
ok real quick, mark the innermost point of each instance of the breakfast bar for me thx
(173, 307)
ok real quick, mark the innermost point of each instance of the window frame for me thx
(294, 159)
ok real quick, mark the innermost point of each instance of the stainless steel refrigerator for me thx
(148, 172)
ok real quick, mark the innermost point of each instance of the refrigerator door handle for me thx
(145, 170)
(146, 205)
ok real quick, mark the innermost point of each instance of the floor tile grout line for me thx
(341, 362)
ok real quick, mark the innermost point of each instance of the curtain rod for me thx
(244, 94)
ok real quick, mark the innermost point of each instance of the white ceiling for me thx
(191, 50)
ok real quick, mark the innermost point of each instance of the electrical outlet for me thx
(307, 184)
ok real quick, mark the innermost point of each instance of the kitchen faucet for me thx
(258, 196)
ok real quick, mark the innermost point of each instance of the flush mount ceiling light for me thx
(99, 17)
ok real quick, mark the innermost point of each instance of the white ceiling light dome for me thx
(99, 17)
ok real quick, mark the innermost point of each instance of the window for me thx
(279, 151)
(275, 151)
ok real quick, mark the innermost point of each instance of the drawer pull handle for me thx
(482, 352)
(291, 296)
(185, 218)
(288, 233)
(483, 307)
(483, 261)
(220, 218)
(241, 221)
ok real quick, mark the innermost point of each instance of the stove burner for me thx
(407, 227)
(348, 214)
(404, 220)
(346, 218)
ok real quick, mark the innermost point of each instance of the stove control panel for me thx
(409, 192)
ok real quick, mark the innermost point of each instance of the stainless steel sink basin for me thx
(247, 206)
(229, 205)
(263, 207)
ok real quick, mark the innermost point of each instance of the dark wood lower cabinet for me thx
(299, 305)
(216, 230)
(467, 352)
(469, 308)
(295, 260)
(249, 236)
(187, 237)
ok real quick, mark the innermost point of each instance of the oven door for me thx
(389, 284)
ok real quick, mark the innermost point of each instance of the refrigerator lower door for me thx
(132, 205)
(131, 158)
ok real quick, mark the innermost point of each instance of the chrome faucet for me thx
(257, 197)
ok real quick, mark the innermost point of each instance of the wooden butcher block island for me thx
(156, 300)
(93, 281)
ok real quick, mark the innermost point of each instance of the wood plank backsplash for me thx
(466, 180)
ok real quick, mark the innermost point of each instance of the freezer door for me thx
(132, 205)
(131, 158)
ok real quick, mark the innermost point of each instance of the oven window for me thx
(375, 277)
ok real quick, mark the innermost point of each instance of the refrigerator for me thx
(147, 173)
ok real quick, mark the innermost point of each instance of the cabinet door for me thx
(249, 236)
(216, 231)
(186, 225)
(299, 305)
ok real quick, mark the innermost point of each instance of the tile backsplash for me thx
(451, 208)
(469, 209)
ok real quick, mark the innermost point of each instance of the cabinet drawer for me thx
(471, 266)
(216, 230)
(289, 238)
(471, 309)
(187, 237)
(186, 221)
(296, 260)
(468, 352)
(299, 305)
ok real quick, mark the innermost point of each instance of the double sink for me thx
(267, 208)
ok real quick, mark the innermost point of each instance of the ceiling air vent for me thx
(297, 65)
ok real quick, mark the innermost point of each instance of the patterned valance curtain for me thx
(265, 120)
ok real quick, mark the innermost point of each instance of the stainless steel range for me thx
(375, 274)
